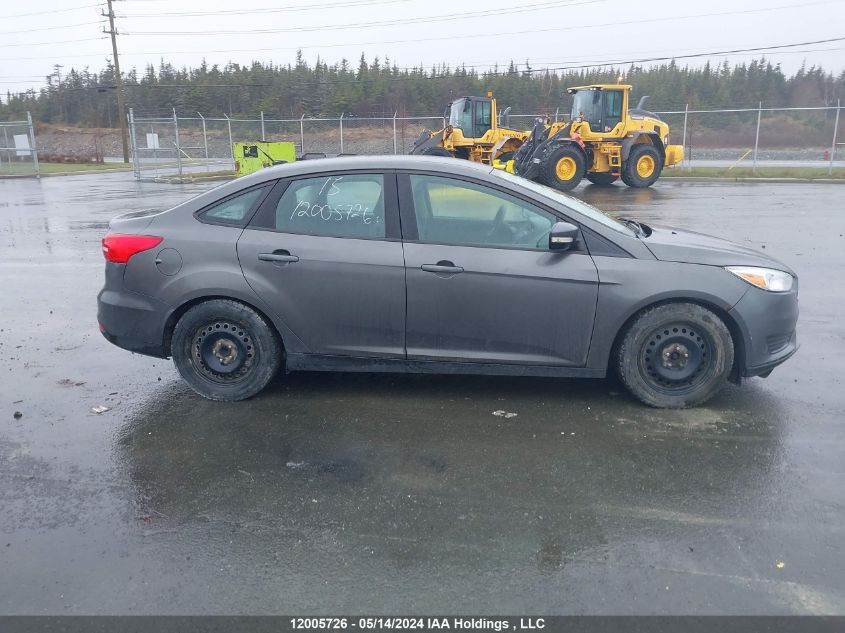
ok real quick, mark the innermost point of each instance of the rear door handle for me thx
(442, 267)
(278, 256)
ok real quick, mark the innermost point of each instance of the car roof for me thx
(446, 165)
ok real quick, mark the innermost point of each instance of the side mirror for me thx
(563, 236)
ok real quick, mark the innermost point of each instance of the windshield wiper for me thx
(638, 227)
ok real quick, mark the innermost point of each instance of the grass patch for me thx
(804, 173)
(27, 169)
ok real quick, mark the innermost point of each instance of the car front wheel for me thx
(225, 350)
(675, 355)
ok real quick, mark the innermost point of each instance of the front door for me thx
(483, 285)
(324, 253)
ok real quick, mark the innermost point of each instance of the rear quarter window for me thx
(234, 210)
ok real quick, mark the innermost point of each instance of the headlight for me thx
(666, 139)
(765, 278)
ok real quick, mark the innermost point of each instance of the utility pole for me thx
(121, 106)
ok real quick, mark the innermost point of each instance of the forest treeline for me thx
(381, 87)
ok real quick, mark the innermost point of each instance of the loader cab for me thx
(602, 107)
(474, 116)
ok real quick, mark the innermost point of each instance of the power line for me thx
(85, 39)
(418, 20)
(26, 15)
(312, 7)
(49, 28)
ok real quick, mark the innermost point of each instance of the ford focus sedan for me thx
(416, 264)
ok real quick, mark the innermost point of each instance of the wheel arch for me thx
(177, 313)
(648, 138)
(727, 318)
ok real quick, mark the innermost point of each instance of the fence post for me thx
(302, 133)
(394, 132)
(835, 132)
(684, 140)
(757, 137)
(341, 132)
(231, 145)
(204, 138)
(136, 160)
(32, 144)
(178, 145)
(263, 135)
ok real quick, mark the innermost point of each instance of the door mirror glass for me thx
(563, 236)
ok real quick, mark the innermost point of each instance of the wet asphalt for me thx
(363, 493)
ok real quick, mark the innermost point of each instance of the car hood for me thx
(675, 245)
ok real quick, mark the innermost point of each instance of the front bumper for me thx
(768, 322)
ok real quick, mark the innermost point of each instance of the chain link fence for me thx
(725, 139)
(18, 150)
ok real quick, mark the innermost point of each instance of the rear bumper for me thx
(132, 321)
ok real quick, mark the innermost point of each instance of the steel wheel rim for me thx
(223, 351)
(645, 166)
(565, 168)
(676, 358)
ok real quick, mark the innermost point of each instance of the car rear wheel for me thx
(675, 355)
(225, 350)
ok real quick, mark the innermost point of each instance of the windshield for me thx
(570, 202)
(460, 114)
(587, 103)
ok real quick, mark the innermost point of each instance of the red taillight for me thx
(119, 248)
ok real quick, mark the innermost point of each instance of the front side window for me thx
(586, 105)
(347, 205)
(234, 211)
(460, 115)
(450, 211)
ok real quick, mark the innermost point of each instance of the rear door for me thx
(483, 285)
(324, 252)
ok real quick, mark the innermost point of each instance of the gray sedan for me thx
(415, 264)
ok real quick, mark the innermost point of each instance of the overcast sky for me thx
(473, 32)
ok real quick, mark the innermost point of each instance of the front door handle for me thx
(281, 256)
(442, 267)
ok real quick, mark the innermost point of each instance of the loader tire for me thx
(602, 178)
(643, 167)
(436, 151)
(563, 168)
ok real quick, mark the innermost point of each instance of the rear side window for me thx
(348, 205)
(234, 210)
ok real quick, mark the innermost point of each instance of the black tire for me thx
(506, 156)
(563, 179)
(225, 350)
(602, 178)
(642, 154)
(436, 151)
(675, 355)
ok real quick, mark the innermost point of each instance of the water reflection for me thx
(424, 458)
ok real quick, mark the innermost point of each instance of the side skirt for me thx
(316, 362)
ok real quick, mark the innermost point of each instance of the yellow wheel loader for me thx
(603, 141)
(472, 132)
